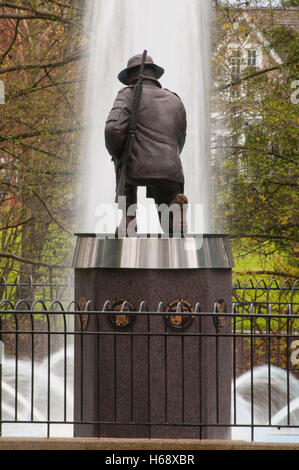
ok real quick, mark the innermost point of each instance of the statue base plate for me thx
(153, 251)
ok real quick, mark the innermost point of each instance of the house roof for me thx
(257, 21)
(288, 17)
(261, 17)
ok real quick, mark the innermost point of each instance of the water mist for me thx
(176, 33)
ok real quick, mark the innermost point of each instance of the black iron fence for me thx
(69, 369)
(42, 289)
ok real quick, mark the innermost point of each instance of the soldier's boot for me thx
(128, 223)
(127, 226)
(178, 217)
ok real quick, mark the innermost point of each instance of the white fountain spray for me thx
(36, 392)
(176, 33)
(263, 393)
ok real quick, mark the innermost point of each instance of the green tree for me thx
(290, 3)
(256, 174)
(41, 54)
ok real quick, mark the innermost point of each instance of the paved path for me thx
(7, 443)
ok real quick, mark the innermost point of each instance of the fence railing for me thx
(244, 292)
(42, 289)
(151, 367)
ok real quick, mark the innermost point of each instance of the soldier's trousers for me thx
(165, 193)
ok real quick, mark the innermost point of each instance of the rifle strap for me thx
(120, 190)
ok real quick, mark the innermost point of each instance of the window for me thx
(251, 58)
(236, 66)
(220, 144)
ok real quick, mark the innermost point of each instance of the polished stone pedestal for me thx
(156, 376)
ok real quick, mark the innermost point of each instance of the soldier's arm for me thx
(117, 124)
(182, 111)
(182, 138)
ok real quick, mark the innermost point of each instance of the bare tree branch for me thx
(48, 211)
(16, 225)
(59, 63)
(45, 152)
(29, 7)
(29, 135)
(270, 273)
(44, 204)
(30, 261)
(11, 44)
(264, 236)
(256, 149)
(34, 89)
(35, 14)
(254, 74)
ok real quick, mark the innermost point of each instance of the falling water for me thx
(266, 396)
(176, 33)
(30, 400)
(38, 391)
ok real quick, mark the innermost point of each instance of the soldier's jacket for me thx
(160, 134)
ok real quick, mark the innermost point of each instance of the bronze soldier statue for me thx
(157, 139)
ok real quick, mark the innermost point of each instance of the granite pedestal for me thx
(155, 376)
